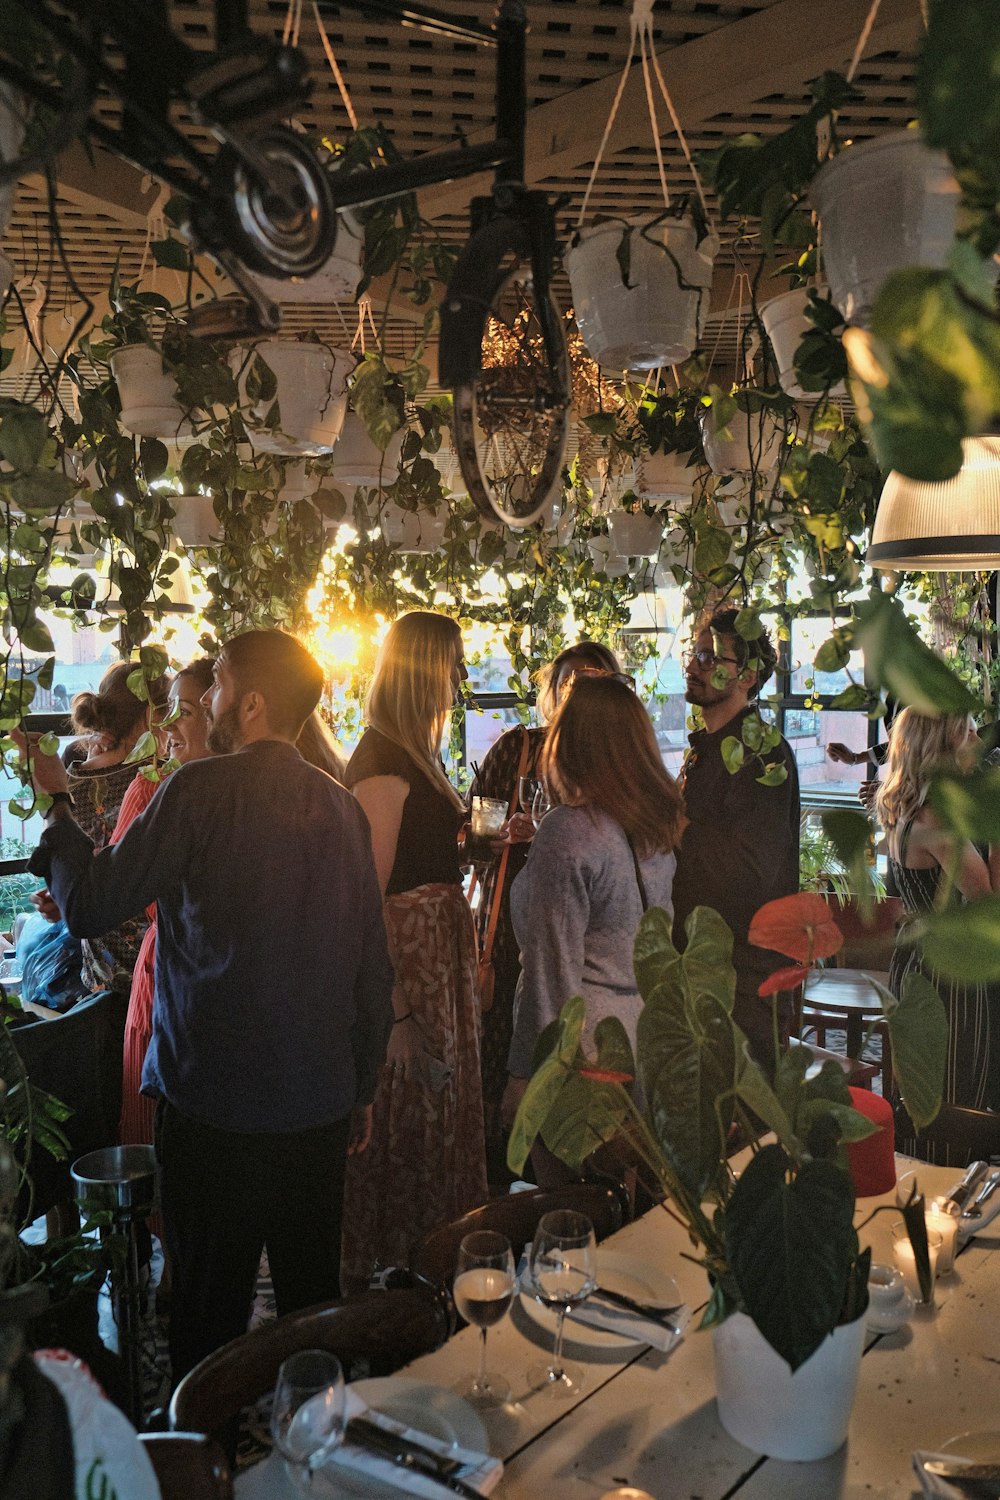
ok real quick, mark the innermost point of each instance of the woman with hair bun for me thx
(920, 851)
(425, 1163)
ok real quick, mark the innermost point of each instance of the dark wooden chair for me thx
(188, 1466)
(517, 1216)
(384, 1329)
(958, 1136)
(844, 998)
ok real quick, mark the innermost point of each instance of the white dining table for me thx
(649, 1419)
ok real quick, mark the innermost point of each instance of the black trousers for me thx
(225, 1196)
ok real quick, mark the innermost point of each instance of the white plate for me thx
(619, 1273)
(977, 1447)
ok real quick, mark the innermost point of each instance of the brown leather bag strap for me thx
(495, 904)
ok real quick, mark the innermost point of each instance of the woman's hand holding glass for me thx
(308, 1414)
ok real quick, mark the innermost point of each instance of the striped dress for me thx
(972, 1072)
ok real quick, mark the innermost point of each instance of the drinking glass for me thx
(562, 1267)
(540, 803)
(527, 789)
(309, 1412)
(483, 1292)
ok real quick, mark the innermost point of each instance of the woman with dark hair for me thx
(600, 858)
(425, 1163)
(514, 757)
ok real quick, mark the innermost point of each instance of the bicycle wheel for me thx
(286, 227)
(511, 419)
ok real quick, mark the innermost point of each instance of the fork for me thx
(655, 1311)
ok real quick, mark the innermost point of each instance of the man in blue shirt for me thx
(273, 989)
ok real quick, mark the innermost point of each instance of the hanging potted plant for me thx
(743, 432)
(788, 1279)
(292, 394)
(634, 528)
(810, 362)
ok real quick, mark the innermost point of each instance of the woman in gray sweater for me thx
(599, 858)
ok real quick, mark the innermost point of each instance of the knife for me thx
(975, 1211)
(979, 1481)
(649, 1310)
(407, 1454)
(974, 1175)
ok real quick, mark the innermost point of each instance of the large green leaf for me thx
(918, 1035)
(23, 435)
(790, 1242)
(964, 942)
(707, 961)
(897, 660)
(657, 962)
(687, 1059)
(969, 805)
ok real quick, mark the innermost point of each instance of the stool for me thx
(122, 1181)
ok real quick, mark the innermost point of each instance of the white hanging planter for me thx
(662, 478)
(357, 460)
(658, 318)
(635, 535)
(195, 523)
(336, 281)
(148, 394)
(770, 1410)
(62, 536)
(605, 560)
(747, 441)
(412, 530)
(888, 203)
(311, 394)
(786, 324)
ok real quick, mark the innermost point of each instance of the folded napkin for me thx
(933, 1484)
(597, 1313)
(478, 1469)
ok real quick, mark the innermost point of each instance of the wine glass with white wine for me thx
(562, 1267)
(483, 1292)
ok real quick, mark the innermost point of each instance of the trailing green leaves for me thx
(897, 660)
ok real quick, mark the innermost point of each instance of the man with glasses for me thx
(741, 846)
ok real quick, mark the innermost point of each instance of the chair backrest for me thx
(385, 1329)
(517, 1216)
(869, 938)
(188, 1466)
(958, 1136)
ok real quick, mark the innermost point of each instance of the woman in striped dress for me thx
(920, 851)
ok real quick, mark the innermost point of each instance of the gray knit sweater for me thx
(575, 908)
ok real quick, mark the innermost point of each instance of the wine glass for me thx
(562, 1267)
(527, 789)
(540, 803)
(483, 1292)
(308, 1414)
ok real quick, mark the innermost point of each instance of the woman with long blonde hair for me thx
(600, 858)
(425, 1163)
(920, 852)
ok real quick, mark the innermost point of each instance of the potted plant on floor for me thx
(778, 1242)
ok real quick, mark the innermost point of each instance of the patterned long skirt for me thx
(426, 1162)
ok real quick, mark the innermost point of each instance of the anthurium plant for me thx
(777, 1242)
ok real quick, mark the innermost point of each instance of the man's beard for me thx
(224, 734)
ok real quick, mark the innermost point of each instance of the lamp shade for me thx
(952, 527)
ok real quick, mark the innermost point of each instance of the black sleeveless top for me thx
(427, 850)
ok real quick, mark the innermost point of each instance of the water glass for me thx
(308, 1414)
(562, 1267)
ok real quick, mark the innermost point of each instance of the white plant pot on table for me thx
(769, 1409)
(885, 204)
(311, 395)
(786, 325)
(148, 394)
(658, 318)
(412, 530)
(195, 523)
(635, 535)
(359, 461)
(747, 441)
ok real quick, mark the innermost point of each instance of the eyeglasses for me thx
(706, 658)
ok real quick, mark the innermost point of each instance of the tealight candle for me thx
(906, 1262)
(942, 1217)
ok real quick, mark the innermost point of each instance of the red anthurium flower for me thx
(801, 926)
(784, 979)
(605, 1075)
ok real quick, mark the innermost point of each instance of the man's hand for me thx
(512, 1096)
(360, 1129)
(47, 772)
(836, 751)
(43, 903)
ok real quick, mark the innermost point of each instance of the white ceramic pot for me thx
(63, 531)
(604, 560)
(412, 531)
(883, 205)
(659, 317)
(148, 394)
(664, 477)
(357, 460)
(336, 281)
(786, 324)
(195, 522)
(635, 536)
(746, 439)
(770, 1410)
(311, 395)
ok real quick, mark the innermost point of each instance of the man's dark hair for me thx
(759, 655)
(274, 664)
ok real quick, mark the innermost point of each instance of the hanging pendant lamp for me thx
(952, 527)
